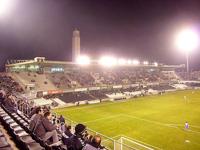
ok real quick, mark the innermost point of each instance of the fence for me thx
(109, 143)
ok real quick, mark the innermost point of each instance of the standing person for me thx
(186, 125)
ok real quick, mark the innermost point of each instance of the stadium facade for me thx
(40, 65)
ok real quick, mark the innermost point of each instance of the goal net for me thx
(125, 143)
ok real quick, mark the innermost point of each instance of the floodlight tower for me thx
(75, 45)
(187, 40)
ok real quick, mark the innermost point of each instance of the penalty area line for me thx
(104, 118)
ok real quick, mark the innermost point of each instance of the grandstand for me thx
(53, 77)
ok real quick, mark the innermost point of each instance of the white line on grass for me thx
(92, 105)
(195, 126)
(138, 141)
(112, 138)
(139, 118)
(151, 121)
(193, 131)
(135, 140)
(104, 118)
(159, 123)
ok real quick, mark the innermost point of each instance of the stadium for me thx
(128, 105)
(104, 103)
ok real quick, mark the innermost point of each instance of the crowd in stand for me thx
(9, 85)
(195, 75)
(89, 78)
(46, 126)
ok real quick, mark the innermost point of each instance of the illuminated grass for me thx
(156, 120)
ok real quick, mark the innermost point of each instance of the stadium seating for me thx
(89, 78)
(75, 96)
(40, 81)
(18, 129)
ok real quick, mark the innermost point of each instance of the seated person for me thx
(10, 103)
(33, 111)
(65, 130)
(2, 95)
(36, 119)
(46, 130)
(68, 131)
(78, 140)
(62, 119)
(95, 144)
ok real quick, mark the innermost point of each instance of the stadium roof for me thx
(13, 63)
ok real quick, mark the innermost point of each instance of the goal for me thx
(125, 143)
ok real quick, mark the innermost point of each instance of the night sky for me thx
(142, 29)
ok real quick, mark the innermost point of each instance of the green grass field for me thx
(155, 120)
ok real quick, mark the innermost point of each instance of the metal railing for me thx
(108, 142)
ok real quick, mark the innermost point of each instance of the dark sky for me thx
(142, 29)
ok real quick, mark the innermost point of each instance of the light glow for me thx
(136, 62)
(121, 61)
(187, 40)
(145, 62)
(107, 61)
(129, 62)
(83, 60)
(6, 6)
(155, 64)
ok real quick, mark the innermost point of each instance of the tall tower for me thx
(75, 45)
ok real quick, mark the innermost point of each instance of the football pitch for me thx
(157, 121)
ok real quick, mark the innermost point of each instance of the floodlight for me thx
(145, 62)
(107, 61)
(187, 40)
(155, 64)
(83, 60)
(6, 6)
(136, 62)
(121, 61)
(129, 62)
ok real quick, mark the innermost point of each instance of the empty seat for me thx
(9, 121)
(3, 115)
(26, 139)
(1, 134)
(21, 133)
(3, 142)
(7, 148)
(13, 124)
(34, 146)
(18, 128)
(6, 118)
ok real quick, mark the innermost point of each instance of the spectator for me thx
(95, 144)
(77, 141)
(10, 103)
(68, 131)
(34, 110)
(62, 119)
(2, 95)
(36, 119)
(46, 129)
